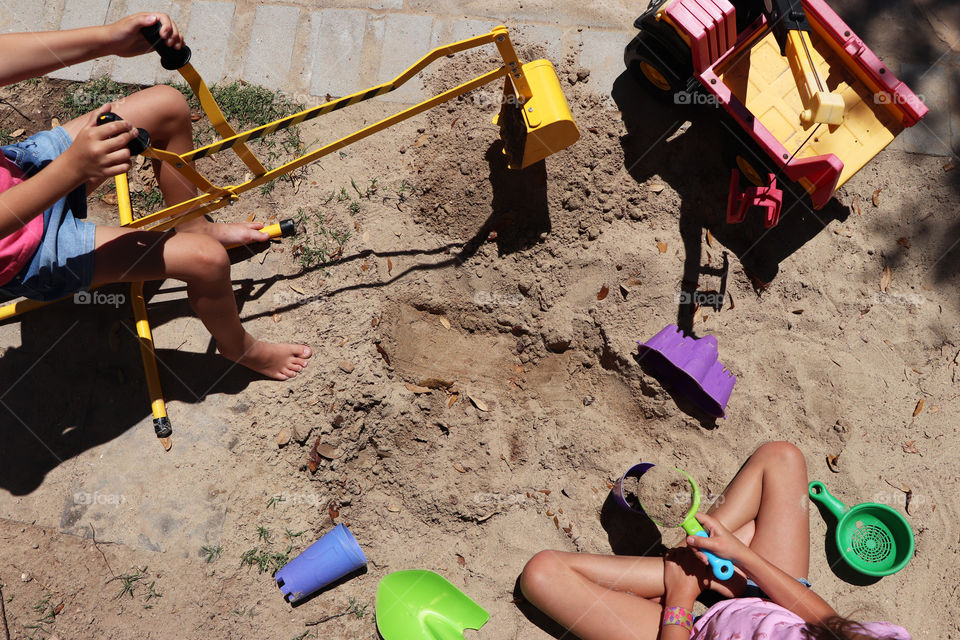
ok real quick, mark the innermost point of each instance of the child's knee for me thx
(782, 453)
(168, 103)
(540, 574)
(206, 257)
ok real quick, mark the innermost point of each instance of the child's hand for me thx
(100, 151)
(684, 574)
(721, 542)
(125, 39)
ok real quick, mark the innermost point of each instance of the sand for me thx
(663, 493)
(527, 293)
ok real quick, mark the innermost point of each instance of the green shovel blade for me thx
(422, 605)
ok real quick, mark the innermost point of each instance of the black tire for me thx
(744, 154)
(657, 66)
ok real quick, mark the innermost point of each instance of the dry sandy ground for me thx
(489, 280)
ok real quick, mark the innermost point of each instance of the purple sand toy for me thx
(327, 560)
(635, 471)
(691, 367)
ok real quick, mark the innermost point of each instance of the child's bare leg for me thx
(164, 113)
(127, 255)
(597, 597)
(769, 494)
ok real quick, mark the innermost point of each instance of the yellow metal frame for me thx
(546, 117)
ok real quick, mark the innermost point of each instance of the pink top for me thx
(758, 619)
(17, 248)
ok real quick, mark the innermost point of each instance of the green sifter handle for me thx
(818, 493)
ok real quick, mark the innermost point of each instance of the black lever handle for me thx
(170, 59)
(138, 144)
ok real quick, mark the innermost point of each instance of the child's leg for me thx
(164, 113)
(597, 597)
(126, 255)
(770, 491)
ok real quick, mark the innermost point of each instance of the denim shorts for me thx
(63, 263)
(753, 591)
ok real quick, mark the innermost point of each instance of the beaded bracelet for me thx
(678, 616)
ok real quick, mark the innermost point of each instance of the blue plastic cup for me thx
(327, 560)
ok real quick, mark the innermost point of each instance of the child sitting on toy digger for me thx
(47, 250)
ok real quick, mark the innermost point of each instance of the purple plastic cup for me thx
(327, 560)
(635, 471)
(691, 367)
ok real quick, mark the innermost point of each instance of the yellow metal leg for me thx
(161, 423)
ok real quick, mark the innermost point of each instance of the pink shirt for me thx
(757, 619)
(17, 248)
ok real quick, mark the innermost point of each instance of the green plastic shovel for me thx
(422, 605)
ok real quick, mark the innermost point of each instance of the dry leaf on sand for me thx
(886, 278)
(479, 404)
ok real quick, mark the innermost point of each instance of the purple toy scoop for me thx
(691, 367)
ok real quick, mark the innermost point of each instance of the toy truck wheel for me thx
(748, 158)
(656, 67)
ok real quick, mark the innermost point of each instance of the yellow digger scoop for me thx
(533, 129)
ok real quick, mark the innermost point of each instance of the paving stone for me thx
(602, 53)
(210, 36)
(539, 36)
(21, 15)
(469, 27)
(585, 13)
(144, 69)
(406, 39)
(76, 14)
(932, 135)
(270, 51)
(337, 39)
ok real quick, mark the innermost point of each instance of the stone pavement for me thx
(311, 48)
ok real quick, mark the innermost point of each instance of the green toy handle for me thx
(818, 493)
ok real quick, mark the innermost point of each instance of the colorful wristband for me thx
(678, 616)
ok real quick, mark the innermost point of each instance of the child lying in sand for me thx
(637, 598)
(47, 251)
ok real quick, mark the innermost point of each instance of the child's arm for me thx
(27, 55)
(780, 586)
(97, 153)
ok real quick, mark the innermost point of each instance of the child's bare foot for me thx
(228, 234)
(277, 361)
